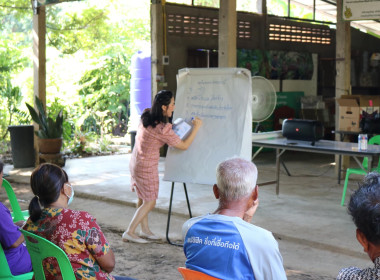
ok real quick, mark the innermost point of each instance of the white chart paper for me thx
(222, 98)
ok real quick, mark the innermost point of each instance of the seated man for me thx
(12, 240)
(364, 207)
(225, 244)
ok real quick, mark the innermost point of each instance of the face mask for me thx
(72, 194)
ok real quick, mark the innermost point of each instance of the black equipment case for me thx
(304, 130)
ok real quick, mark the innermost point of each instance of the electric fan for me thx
(263, 100)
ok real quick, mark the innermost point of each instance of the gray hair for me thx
(236, 178)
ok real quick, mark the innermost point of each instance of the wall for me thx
(196, 28)
(309, 87)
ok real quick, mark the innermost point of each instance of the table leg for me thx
(286, 169)
(339, 168)
(278, 154)
(369, 164)
(256, 153)
(340, 159)
(360, 163)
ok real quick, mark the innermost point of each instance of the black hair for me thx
(364, 207)
(1, 166)
(152, 117)
(46, 182)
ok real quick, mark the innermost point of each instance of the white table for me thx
(322, 146)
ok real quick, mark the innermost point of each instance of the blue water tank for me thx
(140, 87)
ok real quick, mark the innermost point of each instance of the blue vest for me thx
(216, 248)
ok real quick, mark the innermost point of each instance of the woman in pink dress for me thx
(154, 131)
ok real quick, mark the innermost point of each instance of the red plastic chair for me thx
(189, 274)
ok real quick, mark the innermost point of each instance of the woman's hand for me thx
(184, 144)
(197, 122)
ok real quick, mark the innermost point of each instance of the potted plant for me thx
(22, 140)
(50, 130)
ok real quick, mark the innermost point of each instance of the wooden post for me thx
(158, 48)
(157, 44)
(227, 33)
(39, 63)
(343, 69)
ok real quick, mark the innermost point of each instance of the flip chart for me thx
(222, 98)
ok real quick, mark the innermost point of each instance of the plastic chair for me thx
(17, 213)
(189, 274)
(375, 140)
(5, 271)
(39, 249)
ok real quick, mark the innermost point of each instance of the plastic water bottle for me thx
(362, 142)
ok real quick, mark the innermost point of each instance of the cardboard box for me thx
(348, 114)
(369, 104)
(353, 96)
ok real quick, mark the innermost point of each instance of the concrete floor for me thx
(313, 230)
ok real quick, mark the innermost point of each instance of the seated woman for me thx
(12, 240)
(76, 232)
(364, 208)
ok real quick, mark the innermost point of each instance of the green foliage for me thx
(80, 141)
(12, 61)
(4, 147)
(89, 143)
(207, 3)
(70, 31)
(48, 128)
(11, 99)
(11, 58)
(15, 14)
(105, 88)
(89, 47)
(278, 7)
(105, 145)
(55, 108)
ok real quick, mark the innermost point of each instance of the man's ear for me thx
(216, 191)
(362, 240)
(255, 193)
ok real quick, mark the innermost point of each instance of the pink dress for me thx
(145, 157)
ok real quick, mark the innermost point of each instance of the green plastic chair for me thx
(375, 140)
(39, 249)
(17, 214)
(5, 271)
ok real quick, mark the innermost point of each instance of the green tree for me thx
(89, 47)
(106, 89)
(71, 30)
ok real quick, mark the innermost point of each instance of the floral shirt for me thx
(354, 273)
(78, 234)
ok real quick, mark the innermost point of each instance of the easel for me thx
(170, 212)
